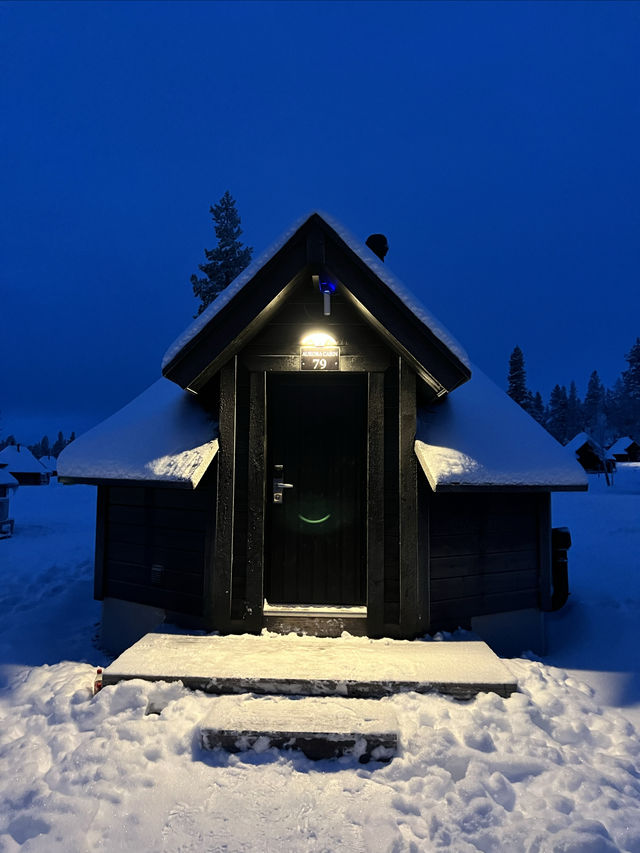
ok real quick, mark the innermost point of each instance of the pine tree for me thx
(538, 409)
(631, 377)
(58, 445)
(228, 259)
(574, 412)
(557, 419)
(517, 379)
(631, 385)
(594, 404)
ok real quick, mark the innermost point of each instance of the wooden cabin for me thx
(50, 464)
(625, 450)
(320, 456)
(593, 458)
(8, 484)
(24, 466)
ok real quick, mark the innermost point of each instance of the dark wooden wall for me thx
(488, 553)
(140, 528)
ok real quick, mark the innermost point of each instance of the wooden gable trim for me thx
(408, 336)
(315, 245)
(230, 329)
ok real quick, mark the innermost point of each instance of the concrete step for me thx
(320, 727)
(314, 666)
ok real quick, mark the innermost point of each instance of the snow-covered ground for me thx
(556, 767)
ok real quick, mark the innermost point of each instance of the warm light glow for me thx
(318, 339)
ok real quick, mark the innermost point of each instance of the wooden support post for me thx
(424, 554)
(218, 587)
(256, 500)
(410, 588)
(101, 527)
(544, 550)
(375, 506)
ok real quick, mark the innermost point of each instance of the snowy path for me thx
(552, 768)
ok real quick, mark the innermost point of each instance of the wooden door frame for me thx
(229, 616)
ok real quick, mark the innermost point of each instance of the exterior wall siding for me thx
(485, 554)
(154, 545)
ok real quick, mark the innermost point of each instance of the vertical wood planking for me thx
(241, 498)
(375, 506)
(218, 588)
(544, 546)
(101, 539)
(424, 555)
(256, 499)
(410, 591)
(391, 502)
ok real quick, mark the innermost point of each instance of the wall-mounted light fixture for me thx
(318, 339)
(326, 287)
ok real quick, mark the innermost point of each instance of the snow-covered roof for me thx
(621, 445)
(49, 462)
(583, 438)
(364, 254)
(21, 460)
(6, 478)
(163, 435)
(579, 441)
(479, 437)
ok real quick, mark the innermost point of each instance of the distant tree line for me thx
(43, 447)
(606, 414)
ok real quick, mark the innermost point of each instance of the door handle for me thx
(278, 485)
(278, 489)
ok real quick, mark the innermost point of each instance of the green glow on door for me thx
(314, 520)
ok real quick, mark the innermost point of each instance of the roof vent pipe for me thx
(378, 244)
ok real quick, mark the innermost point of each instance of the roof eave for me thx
(505, 487)
(107, 481)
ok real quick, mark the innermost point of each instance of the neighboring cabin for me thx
(8, 484)
(50, 464)
(24, 466)
(625, 450)
(593, 458)
(320, 455)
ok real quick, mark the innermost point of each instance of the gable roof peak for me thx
(362, 261)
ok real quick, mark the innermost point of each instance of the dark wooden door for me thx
(316, 430)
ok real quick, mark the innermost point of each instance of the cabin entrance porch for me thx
(311, 666)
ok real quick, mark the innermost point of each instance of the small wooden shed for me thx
(625, 450)
(24, 466)
(50, 464)
(320, 455)
(593, 458)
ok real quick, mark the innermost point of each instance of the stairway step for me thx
(313, 666)
(320, 727)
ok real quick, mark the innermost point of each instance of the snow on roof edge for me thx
(359, 248)
(163, 436)
(478, 437)
(19, 458)
(622, 444)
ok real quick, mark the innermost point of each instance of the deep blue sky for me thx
(496, 144)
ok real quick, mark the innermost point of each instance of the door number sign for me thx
(320, 359)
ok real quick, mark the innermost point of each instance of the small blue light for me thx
(327, 287)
